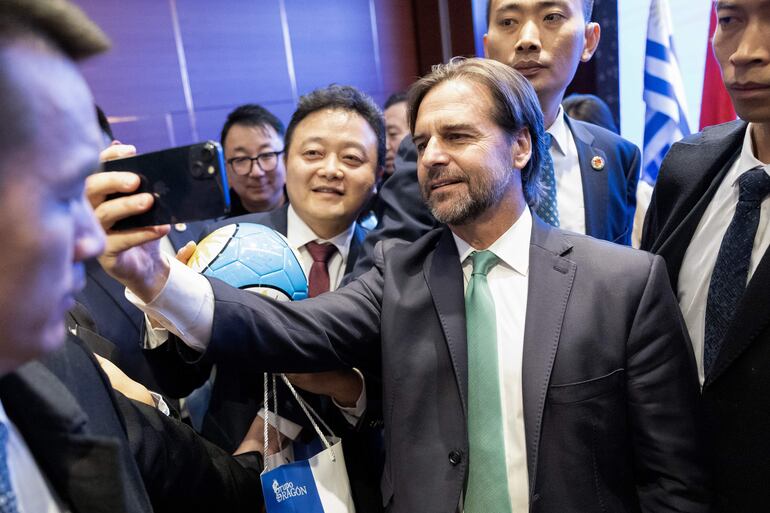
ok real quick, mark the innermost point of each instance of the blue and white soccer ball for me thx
(254, 258)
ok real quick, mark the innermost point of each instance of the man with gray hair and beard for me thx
(524, 368)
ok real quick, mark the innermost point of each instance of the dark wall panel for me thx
(177, 67)
(234, 54)
(140, 75)
(332, 42)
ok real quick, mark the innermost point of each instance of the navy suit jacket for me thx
(736, 391)
(609, 385)
(609, 193)
(116, 319)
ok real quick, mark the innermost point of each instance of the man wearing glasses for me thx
(252, 138)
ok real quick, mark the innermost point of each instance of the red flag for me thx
(716, 106)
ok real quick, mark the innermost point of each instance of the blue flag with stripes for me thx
(665, 116)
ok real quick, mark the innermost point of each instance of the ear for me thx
(486, 53)
(521, 149)
(591, 39)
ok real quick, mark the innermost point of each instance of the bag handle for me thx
(310, 413)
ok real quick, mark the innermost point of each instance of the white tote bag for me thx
(317, 485)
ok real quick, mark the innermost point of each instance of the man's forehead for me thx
(537, 5)
(761, 5)
(452, 98)
(56, 105)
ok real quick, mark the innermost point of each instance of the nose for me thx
(752, 47)
(256, 171)
(433, 154)
(89, 236)
(529, 38)
(330, 168)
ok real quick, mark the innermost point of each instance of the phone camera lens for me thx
(207, 152)
(197, 169)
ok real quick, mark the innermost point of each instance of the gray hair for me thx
(514, 106)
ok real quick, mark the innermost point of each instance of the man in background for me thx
(710, 219)
(252, 139)
(396, 128)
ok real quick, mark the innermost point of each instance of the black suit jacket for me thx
(736, 392)
(237, 392)
(116, 319)
(103, 452)
(609, 194)
(609, 383)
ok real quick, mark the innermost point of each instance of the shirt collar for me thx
(298, 234)
(559, 132)
(747, 160)
(3, 416)
(512, 248)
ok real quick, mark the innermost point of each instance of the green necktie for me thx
(487, 477)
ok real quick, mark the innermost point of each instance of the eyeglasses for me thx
(267, 162)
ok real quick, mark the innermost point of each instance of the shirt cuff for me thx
(286, 427)
(354, 413)
(185, 306)
(160, 404)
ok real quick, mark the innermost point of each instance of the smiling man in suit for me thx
(562, 382)
(335, 151)
(709, 218)
(592, 173)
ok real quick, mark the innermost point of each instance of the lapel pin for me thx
(180, 227)
(597, 163)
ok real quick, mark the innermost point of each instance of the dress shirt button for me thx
(455, 457)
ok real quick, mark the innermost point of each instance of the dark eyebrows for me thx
(515, 7)
(458, 127)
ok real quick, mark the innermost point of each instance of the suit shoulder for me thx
(607, 257)
(604, 136)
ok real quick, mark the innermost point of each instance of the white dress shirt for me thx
(701, 255)
(298, 234)
(32, 492)
(508, 284)
(569, 184)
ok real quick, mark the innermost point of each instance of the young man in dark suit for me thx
(67, 442)
(709, 218)
(592, 172)
(562, 381)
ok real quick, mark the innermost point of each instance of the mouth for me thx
(328, 190)
(443, 183)
(748, 88)
(528, 68)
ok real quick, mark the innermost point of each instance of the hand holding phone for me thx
(188, 183)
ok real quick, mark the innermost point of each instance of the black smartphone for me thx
(189, 183)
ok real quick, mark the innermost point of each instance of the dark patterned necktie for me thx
(548, 208)
(8, 502)
(731, 271)
(318, 280)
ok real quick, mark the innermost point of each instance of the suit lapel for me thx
(695, 190)
(359, 233)
(550, 281)
(85, 470)
(595, 186)
(279, 218)
(751, 318)
(444, 276)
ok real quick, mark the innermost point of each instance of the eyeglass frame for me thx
(256, 159)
